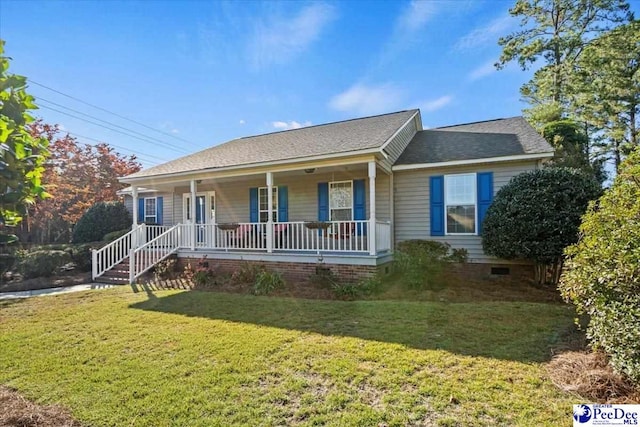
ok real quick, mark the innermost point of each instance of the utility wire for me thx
(106, 127)
(145, 157)
(111, 112)
(165, 144)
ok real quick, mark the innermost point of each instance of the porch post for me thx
(192, 214)
(134, 225)
(134, 196)
(372, 208)
(270, 218)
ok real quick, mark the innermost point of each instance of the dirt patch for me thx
(46, 282)
(590, 375)
(20, 412)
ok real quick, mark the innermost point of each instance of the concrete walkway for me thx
(54, 291)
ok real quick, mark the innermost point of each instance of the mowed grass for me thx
(163, 358)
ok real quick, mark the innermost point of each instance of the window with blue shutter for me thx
(485, 196)
(436, 205)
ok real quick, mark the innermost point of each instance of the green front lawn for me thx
(115, 357)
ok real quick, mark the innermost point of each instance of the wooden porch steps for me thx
(118, 275)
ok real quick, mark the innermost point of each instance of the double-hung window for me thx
(460, 203)
(150, 210)
(263, 204)
(341, 201)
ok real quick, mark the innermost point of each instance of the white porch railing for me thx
(146, 256)
(338, 236)
(114, 253)
(383, 236)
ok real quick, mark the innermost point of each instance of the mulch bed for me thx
(589, 375)
(19, 412)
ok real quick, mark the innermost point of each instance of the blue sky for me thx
(201, 73)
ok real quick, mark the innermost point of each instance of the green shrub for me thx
(348, 291)
(248, 273)
(420, 263)
(200, 275)
(81, 256)
(165, 269)
(42, 263)
(602, 271)
(114, 235)
(537, 215)
(267, 282)
(100, 219)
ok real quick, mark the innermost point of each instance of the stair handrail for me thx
(149, 254)
(112, 254)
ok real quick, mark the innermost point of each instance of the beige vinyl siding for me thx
(411, 192)
(232, 198)
(399, 142)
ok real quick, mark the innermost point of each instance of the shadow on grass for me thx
(518, 331)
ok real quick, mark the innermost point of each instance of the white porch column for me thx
(134, 210)
(134, 196)
(372, 208)
(192, 214)
(270, 219)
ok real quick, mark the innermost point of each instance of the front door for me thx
(205, 217)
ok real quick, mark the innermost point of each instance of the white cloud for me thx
(482, 71)
(431, 105)
(241, 121)
(487, 34)
(416, 15)
(290, 125)
(362, 99)
(276, 40)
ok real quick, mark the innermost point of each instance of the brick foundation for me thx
(295, 272)
(517, 273)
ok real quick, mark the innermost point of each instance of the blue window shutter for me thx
(436, 201)
(283, 203)
(323, 201)
(159, 210)
(141, 210)
(253, 205)
(485, 196)
(360, 205)
(359, 200)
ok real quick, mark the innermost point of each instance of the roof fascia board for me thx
(388, 141)
(128, 180)
(255, 170)
(473, 161)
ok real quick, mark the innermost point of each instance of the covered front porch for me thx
(340, 209)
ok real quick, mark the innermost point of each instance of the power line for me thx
(151, 139)
(107, 127)
(111, 112)
(140, 156)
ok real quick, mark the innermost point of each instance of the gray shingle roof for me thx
(340, 137)
(494, 138)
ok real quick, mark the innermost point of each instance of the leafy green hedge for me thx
(421, 262)
(100, 219)
(602, 273)
(42, 263)
(536, 216)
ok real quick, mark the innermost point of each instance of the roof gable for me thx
(489, 139)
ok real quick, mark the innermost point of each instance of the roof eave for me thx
(514, 158)
(184, 174)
